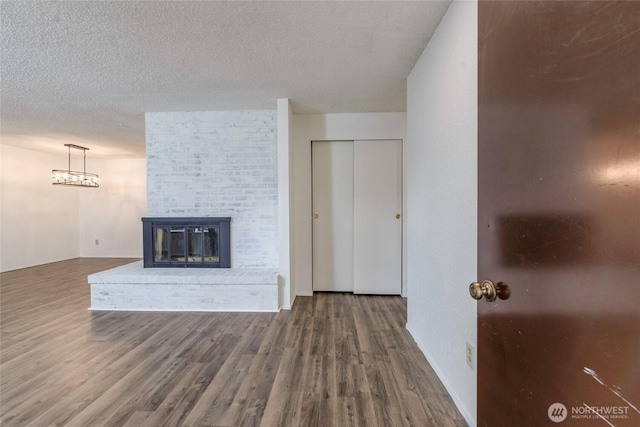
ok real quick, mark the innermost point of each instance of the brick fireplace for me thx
(205, 165)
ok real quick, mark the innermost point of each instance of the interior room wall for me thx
(317, 127)
(39, 221)
(43, 223)
(285, 208)
(111, 213)
(442, 201)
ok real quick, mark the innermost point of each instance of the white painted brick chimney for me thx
(218, 163)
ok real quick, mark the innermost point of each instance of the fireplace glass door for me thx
(202, 244)
(188, 245)
(160, 244)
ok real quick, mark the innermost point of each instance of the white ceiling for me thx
(85, 72)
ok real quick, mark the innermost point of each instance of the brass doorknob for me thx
(397, 216)
(487, 290)
(316, 216)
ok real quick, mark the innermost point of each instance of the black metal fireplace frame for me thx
(223, 224)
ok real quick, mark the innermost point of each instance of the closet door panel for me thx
(332, 172)
(377, 213)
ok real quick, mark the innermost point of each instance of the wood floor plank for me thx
(282, 395)
(137, 419)
(175, 398)
(364, 410)
(333, 360)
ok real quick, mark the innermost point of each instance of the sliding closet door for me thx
(332, 174)
(377, 208)
(357, 222)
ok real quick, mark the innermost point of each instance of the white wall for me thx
(285, 207)
(442, 201)
(42, 223)
(317, 127)
(39, 221)
(111, 213)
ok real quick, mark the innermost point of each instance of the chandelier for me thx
(69, 177)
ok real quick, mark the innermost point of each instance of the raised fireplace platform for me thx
(133, 288)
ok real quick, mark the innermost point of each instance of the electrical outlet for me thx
(97, 242)
(470, 355)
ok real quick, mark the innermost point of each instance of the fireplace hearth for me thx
(203, 242)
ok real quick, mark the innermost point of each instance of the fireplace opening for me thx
(187, 242)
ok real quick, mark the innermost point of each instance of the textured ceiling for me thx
(85, 72)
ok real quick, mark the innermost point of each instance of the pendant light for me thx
(69, 177)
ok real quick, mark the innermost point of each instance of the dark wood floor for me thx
(333, 360)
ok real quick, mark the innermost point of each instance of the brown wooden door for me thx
(559, 213)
